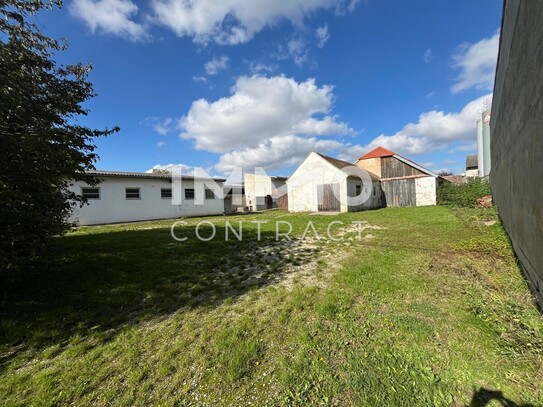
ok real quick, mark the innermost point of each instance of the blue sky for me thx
(229, 83)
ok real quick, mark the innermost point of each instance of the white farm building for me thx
(136, 196)
(326, 184)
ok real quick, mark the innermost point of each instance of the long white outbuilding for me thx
(136, 196)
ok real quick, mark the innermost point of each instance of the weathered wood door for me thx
(282, 202)
(327, 197)
(401, 192)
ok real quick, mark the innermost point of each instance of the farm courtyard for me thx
(428, 308)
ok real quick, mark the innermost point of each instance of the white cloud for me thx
(466, 147)
(259, 67)
(234, 21)
(322, 35)
(174, 168)
(434, 130)
(162, 125)
(258, 109)
(477, 64)
(160, 144)
(199, 79)
(428, 56)
(275, 152)
(216, 64)
(109, 16)
(428, 164)
(298, 50)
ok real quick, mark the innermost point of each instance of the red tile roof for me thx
(377, 152)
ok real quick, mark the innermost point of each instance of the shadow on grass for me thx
(484, 397)
(97, 284)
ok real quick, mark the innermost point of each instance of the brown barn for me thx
(404, 182)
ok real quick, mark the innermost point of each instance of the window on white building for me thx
(132, 193)
(165, 192)
(90, 193)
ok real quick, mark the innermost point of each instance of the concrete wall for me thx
(113, 207)
(517, 135)
(426, 191)
(372, 165)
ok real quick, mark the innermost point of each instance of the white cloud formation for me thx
(298, 50)
(434, 130)
(260, 67)
(174, 168)
(199, 79)
(428, 56)
(477, 64)
(160, 144)
(322, 35)
(234, 21)
(109, 16)
(275, 152)
(258, 109)
(216, 64)
(162, 125)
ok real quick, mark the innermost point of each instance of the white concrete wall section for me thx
(426, 191)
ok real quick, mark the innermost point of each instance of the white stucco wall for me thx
(113, 207)
(426, 191)
(314, 170)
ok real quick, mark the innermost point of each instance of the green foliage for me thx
(41, 145)
(464, 195)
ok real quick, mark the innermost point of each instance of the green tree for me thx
(42, 146)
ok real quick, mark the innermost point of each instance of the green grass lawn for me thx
(430, 309)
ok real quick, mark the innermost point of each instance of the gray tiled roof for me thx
(130, 174)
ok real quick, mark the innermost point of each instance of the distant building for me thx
(404, 182)
(472, 167)
(455, 179)
(262, 191)
(483, 140)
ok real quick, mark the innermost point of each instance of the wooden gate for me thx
(282, 202)
(327, 198)
(401, 192)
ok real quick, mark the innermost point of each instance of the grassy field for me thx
(428, 309)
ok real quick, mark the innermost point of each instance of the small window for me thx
(210, 194)
(165, 192)
(189, 193)
(90, 193)
(358, 189)
(132, 193)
